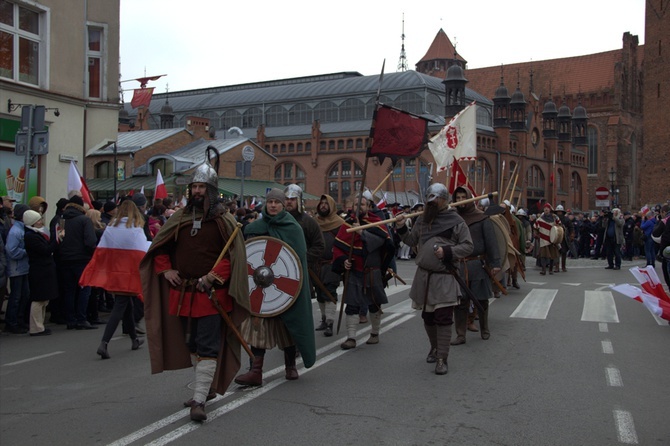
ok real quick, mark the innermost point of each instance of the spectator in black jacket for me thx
(75, 250)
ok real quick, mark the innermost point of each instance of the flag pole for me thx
(382, 183)
(360, 196)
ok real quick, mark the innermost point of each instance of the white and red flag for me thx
(161, 191)
(457, 140)
(382, 202)
(252, 206)
(76, 182)
(116, 261)
(652, 294)
(142, 190)
(459, 179)
(650, 282)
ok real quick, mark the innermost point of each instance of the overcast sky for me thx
(206, 43)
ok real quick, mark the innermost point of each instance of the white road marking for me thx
(34, 358)
(394, 316)
(608, 349)
(571, 284)
(537, 283)
(599, 306)
(625, 427)
(535, 305)
(603, 327)
(613, 377)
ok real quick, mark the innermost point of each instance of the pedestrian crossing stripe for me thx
(536, 304)
(599, 306)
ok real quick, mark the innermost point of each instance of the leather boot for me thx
(563, 261)
(461, 321)
(289, 363)
(102, 351)
(431, 331)
(484, 320)
(322, 326)
(204, 376)
(443, 336)
(253, 377)
(471, 320)
(515, 283)
(376, 322)
(328, 332)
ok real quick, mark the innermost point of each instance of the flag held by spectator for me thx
(397, 134)
(161, 190)
(655, 305)
(382, 202)
(142, 190)
(75, 182)
(457, 140)
(650, 282)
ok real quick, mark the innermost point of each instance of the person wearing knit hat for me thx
(276, 194)
(42, 275)
(16, 314)
(140, 201)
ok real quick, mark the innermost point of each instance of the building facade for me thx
(62, 55)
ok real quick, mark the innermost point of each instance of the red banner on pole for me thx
(142, 97)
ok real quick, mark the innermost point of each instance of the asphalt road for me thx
(568, 363)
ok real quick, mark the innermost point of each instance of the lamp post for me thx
(614, 192)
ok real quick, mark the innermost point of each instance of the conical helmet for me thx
(205, 173)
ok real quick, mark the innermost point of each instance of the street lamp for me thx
(614, 192)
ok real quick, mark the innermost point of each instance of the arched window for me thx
(535, 178)
(410, 102)
(576, 190)
(104, 169)
(300, 114)
(231, 118)
(344, 178)
(276, 116)
(214, 120)
(352, 110)
(290, 173)
(559, 180)
(252, 118)
(326, 111)
(165, 165)
(592, 138)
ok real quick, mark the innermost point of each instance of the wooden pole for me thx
(382, 183)
(414, 214)
(516, 178)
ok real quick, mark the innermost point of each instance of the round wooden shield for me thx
(556, 234)
(275, 276)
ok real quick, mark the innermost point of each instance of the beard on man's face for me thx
(430, 211)
(323, 211)
(197, 201)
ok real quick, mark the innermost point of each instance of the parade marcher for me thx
(568, 236)
(294, 328)
(548, 250)
(372, 251)
(180, 273)
(42, 275)
(479, 267)
(329, 223)
(527, 247)
(313, 236)
(114, 268)
(613, 237)
(441, 238)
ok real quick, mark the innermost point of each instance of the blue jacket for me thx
(15, 248)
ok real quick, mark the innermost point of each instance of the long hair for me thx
(94, 215)
(128, 209)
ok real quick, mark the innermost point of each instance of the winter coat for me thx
(80, 239)
(15, 248)
(42, 277)
(3, 264)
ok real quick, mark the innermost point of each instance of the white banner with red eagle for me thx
(457, 140)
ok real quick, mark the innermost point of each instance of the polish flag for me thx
(650, 282)
(382, 202)
(76, 182)
(142, 190)
(183, 201)
(161, 191)
(252, 206)
(116, 261)
(657, 306)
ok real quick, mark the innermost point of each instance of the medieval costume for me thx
(294, 327)
(434, 289)
(568, 236)
(183, 327)
(371, 252)
(548, 250)
(477, 266)
(329, 223)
